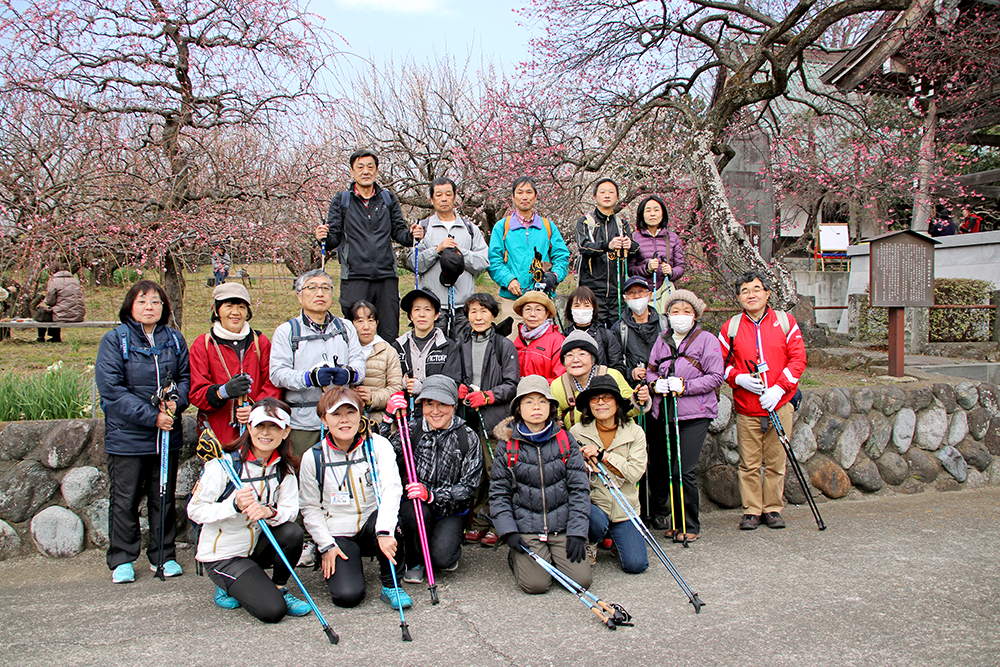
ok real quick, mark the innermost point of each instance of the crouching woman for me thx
(539, 491)
(231, 546)
(340, 508)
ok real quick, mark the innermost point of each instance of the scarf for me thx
(223, 333)
(532, 334)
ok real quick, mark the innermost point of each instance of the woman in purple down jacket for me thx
(660, 250)
(686, 362)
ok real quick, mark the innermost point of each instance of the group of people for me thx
(501, 435)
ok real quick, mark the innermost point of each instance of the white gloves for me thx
(769, 399)
(662, 386)
(676, 385)
(750, 383)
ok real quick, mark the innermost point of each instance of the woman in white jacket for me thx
(339, 506)
(230, 545)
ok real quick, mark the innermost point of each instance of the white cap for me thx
(259, 415)
(343, 400)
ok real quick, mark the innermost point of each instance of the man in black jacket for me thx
(361, 224)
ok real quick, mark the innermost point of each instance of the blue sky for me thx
(419, 29)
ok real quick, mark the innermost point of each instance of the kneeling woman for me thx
(231, 546)
(606, 434)
(339, 506)
(539, 492)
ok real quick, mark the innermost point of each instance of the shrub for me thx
(957, 325)
(56, 393)
(873, 323)
(126, 275)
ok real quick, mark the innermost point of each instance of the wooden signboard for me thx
(901, 275)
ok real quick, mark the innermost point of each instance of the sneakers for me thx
(225, 600)
(489, 540)
(749, 522)
(450, 569)
(473, 536)
(295, 606)
(309, 555)
(773, 520)
(592, 553)
(661, 522)
(414, 575)
(395, 597)
(170, 569)
(123, 574)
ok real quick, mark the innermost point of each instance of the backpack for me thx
(734, 327)
(345, 198)
(195, 527)
(256, 347)
(514, 445)
(122, 331)
(506, 229)
(468, 225)
(338, 330)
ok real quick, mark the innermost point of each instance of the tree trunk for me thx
(923, 204)
(736, 250)
(173, 284)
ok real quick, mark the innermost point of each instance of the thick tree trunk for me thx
(173, 284)
(735, 248)
(923, 204)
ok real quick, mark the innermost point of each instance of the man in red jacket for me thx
(769, 342)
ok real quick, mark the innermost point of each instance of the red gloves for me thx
(463, 391)
(417, 491)
(396, 402)
(478, 399)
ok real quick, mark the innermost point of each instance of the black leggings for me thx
(245, 579)
(347, 585)
(444, 536)
(692, 437)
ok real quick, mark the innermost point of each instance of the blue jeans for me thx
(631, 546)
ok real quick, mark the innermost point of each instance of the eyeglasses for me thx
(312, 289)
(756, 291)
(154, 304)
(603, 398)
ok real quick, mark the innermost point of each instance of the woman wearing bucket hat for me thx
(685, 367)
(230, 365)
(579, 356)
(230, 544)
(539, 491)
(538, 340)
(607, 434)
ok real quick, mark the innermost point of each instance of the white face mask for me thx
(681, 323)
(583, 316)
(638, 305)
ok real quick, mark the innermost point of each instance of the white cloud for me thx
(401, 6)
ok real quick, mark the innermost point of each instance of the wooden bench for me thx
(31, 324)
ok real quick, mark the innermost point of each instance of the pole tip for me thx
(331, 635)
(697, 603)
(434, 595)
(406, 632)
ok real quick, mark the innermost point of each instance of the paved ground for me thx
(894, 581)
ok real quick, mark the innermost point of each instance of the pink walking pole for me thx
(418, 509)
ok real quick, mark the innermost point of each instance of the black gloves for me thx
(238, 386)
(550, 281)
(576, 548)
(321, 376)
(515, 542)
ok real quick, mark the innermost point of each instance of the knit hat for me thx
(228, 292)
(440, 388)
(602, 384)
(579, 339)
(688, 297)
(406, 303)
(532, 384)
(535, 297)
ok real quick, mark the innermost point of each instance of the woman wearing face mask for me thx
(384, 375)
(584, 314)
(686, 362)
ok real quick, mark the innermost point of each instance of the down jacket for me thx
(541, 494)
(383, 378)
(127, 387)
(64, 296)
(541, 356)
(452, 479)
(666, 245)
(625, 459)
(325, 520)
(498, 375)
(667, 358)
(226, 532)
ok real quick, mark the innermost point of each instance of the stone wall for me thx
(54, 485)
(851, 441)
(864, 440)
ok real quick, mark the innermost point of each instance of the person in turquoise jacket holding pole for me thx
(527, 252)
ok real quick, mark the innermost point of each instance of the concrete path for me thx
(906, 580)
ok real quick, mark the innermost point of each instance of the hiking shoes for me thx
(170, 569)
(661, 522)
(749, 522)
(295, 606)
(414, 575)
(489, 540)
(773, 520)
(396, 597)
(225, 600)
(592, 553)
(123, 574)
(473, 536)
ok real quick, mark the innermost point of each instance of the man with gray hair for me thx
(311, 352)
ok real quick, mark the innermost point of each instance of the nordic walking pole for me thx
(626, 506)
(680, 468)
(418, 506)
(210, 448)
(322, 255)
(167, 392)
(370, 456)
(670, 468)
(789, 454)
